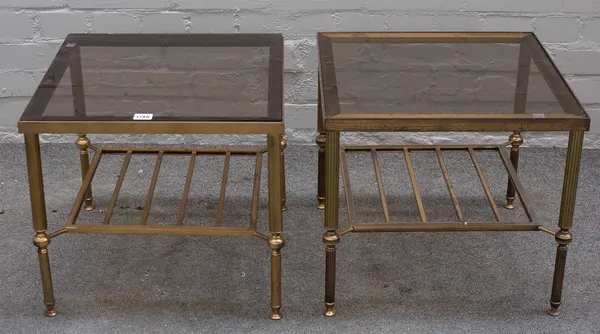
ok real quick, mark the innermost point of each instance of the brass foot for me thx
(329, 310)
(50, 311)
(553, 312)
(321, 203)
(89, 207)
(510, 203)
(275, 314)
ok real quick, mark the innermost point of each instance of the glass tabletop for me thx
(178, 77)
(371, 75)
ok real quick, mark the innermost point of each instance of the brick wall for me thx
(31, 30)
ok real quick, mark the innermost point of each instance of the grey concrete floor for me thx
(495, 282)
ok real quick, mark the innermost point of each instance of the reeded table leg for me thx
(515, 141)
(565, 221)
(38, 213)
(82, 144)
(276, 241)
(320, 140)
(283, 191)
(331, 237)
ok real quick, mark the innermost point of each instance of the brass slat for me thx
(148, 203)
(384, 204)
(256, 192)
(186, 189)
(347, 187)
(87, 181)
(484, 183)
(443, 227)
(113, 200)
(446, 175)
(413, 181)
(153, 229)
(223, 189)
(514, 178)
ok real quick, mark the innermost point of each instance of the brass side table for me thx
(477, 81)
(161, 84)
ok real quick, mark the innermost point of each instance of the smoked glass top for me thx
(179, 77)
(375, 74)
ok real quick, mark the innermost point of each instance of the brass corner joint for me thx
(563, 238)
(276, 242)
(331, 238)
(515, 140)
(83, 143)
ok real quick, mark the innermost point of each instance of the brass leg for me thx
(331, 237)
(563, 237)
(565, 220)
(515, 140)
(276, 241)
(320, 140)
(82, 144)
(38, 213)
(283, 192)
(321, 172)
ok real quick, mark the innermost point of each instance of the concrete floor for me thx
(387, 283)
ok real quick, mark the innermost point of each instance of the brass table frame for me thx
(331, 123)
(274, 131)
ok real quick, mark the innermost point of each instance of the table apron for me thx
(152, 127)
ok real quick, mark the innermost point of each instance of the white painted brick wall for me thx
(558, 29)
(409, 21)
(15, 26)
(591, 30)
(165, 23)
(585, 62)
(511, 23)
(31, 30)
(57, 24)
(213, 23)
(21, 83)
(114, 22)
(534, 6)
(459, 23)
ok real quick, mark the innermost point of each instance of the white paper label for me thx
(70, 45)
(539, 116)
(142, 117)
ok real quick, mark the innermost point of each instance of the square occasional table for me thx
(161, 84)
(454, 82)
